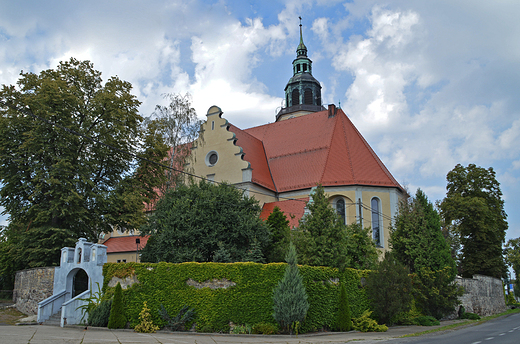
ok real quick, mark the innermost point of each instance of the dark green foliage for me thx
(193, 222)
(289, 297)
(61, 186)
(221, 255)
(470, 316)
(177, 323)
(265, 328)
(474, 206)
(254, 254)
(426, 321)
(280, 236)
(418, 226)
(361, 250)
(321, 238)
(344, 320)
(117, 317)
(250, 301)
(100, 315)
(389, 288)
(512, 257)
(435, 292)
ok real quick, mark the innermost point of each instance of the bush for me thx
(117, 317)
(265, 328)
(389, 288)
(290, 297)
(145, 321)
(99, 316)
(426, 320)
(470, 316)
(366, 324)
(178, 323)
(344, 321)
(242, 329)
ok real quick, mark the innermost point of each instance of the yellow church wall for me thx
(216, 138)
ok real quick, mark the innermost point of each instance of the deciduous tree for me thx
(474, 205)
(195, 222)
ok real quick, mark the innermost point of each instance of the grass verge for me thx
(464, 323)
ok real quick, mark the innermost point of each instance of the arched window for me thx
(376, 223)
(340, 209)
(307, 96)
(304, 67)
(295, 97)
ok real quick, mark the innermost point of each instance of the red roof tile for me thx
(125, 244)
(293, 209)
(313, 149)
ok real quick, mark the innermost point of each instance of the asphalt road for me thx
(503, 330)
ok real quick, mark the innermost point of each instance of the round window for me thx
(211, 158)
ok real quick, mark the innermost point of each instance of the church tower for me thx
(303, 91)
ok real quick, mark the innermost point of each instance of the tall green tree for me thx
(321, 237)
(54, 179)
(416, 237)
(362, 253)
(280, 235)
(195, 222)
(474, 205)
(512, 256)
(290, 303)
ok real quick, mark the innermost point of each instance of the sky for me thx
(429, 84)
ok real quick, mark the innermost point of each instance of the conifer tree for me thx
(280, 235)
(344, 318)
(117, 317)
(290, 298)
(321, 237)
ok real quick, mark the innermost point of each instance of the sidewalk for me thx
(38, 334)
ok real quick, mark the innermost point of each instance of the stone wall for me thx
(483, 295)
(32, 286)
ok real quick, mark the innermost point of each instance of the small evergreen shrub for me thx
(426, 320)
(344, 322)
(470, 316)
(99, 316)
(178, 323)
(265, 328)
(146, 324)
(366, 324)
(117, 317)
(290, 298)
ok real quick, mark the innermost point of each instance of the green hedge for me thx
(249, 302)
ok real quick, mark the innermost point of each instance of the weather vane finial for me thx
(300, 20)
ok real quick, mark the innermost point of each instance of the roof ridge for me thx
(269, 168)
(348, 146)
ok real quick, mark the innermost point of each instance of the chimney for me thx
(332, 110)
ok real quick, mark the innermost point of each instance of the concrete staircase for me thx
(54, 320)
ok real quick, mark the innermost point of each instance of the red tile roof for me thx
(313, 149)
(293, 210)
(125, 244)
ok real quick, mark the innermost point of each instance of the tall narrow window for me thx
(340, 209)
(304, 67)
(376, 225)
(307, 96)
(295, 97)
(298, 68)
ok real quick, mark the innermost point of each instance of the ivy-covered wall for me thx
(249, 301)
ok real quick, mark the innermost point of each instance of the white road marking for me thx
(501, 334)
(490, 338)
(476, 342)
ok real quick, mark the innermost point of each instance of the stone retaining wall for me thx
(32, 286)
(483, 295)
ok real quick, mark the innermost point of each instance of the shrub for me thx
(344, 322)
(265, 328)
(92, 303)
(389, 288)
(99, 316)
(470, 316)
(290, 297)
(117, 317)
(366, 324)
(178, 323)
(145, 321)
(426, 320)
(242, 329)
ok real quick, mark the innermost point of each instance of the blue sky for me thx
(428, 83)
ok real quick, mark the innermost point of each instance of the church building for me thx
(280, 163)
